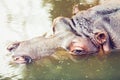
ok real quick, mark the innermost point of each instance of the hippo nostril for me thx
(9, 49)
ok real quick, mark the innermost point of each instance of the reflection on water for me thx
(24, 19)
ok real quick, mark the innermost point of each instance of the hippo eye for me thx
(78, 52)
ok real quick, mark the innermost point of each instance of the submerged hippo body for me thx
(39, 47)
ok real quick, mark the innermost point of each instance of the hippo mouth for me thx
(22, 59)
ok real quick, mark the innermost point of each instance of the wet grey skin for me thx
(39, 47)
(100, 26)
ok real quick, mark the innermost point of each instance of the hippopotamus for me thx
(87, 32)
(39, 47)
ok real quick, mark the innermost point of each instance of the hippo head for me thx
(18, 57)
(89, 37)
(93, 37)
(90, 44)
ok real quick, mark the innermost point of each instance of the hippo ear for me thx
(101, 37)
(13, 46)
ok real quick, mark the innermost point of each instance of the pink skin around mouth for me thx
(19, 60)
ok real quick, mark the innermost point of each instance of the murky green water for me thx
(61, 66)
(66, 67)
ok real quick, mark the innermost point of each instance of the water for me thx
(25, 19)
(66, 67)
